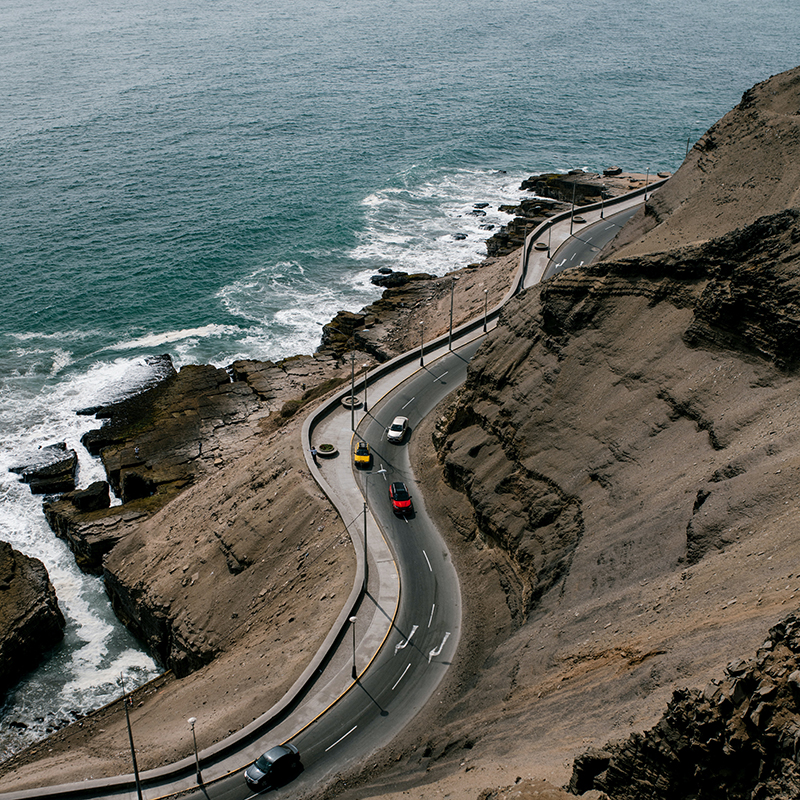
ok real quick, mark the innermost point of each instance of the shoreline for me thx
(394, 327)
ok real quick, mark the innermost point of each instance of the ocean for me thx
(212, 181)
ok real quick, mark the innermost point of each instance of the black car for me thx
(275, 767)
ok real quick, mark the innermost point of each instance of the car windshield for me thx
(397, 426)
(362, 450)
(263, 763)
(401, 494)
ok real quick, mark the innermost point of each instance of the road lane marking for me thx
(433, 608)
(401, 677)
(438, 650)
(409, 402)
(340, 739)
(405, 643)
(428, 560)
(441, 376)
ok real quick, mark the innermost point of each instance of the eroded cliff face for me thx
(580, 413)
(744, 167)
(30, 619)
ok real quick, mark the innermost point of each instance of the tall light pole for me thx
(192, 721)
(646, 182)
(353, 388)
(366, 562)
(126, 701)
(353, 624)
(572, 211)
(421, 337)
(450, 337)
(485, 308)
(366, 375)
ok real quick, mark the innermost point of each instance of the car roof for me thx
(400, 420)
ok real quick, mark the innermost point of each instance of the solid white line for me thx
(440, 376)
(428, 560)
(401, 677)
(433, 608)
(343, 737)
(409, 402)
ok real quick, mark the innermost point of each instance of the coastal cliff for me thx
(616, 481)
(31, 622)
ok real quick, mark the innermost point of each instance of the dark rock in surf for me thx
(30, 620)
(51, 470)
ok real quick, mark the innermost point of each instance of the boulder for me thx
(30, 620)
(51, 470)
(92, 498)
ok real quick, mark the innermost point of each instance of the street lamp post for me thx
(572, 211)
(450, 337)
(353, 388)
(366, 562)
(421, 337)
(192, 721)
(485, 308)
(646, 183)
(353, 623)
(125, 702)
(366, 374)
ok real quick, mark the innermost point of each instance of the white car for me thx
(396, 432)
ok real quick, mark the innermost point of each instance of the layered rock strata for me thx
(31, 622)
(51, 470)
(738, 738)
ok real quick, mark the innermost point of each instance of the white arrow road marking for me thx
(438, 650)
(405, 643)
(340, 738)
(401, 677)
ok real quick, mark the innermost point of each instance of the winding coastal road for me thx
(400, 627)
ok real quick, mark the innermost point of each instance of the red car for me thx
(401, 499)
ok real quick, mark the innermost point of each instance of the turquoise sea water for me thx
(212, 180)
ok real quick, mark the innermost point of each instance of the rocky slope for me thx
(744, 167)
(30, 620)
(622, 466)
(738, 738)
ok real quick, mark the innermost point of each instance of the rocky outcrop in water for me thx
(31, 622)
(555, 193)
(50, 470)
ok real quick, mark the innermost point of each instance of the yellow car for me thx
(362, 457)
